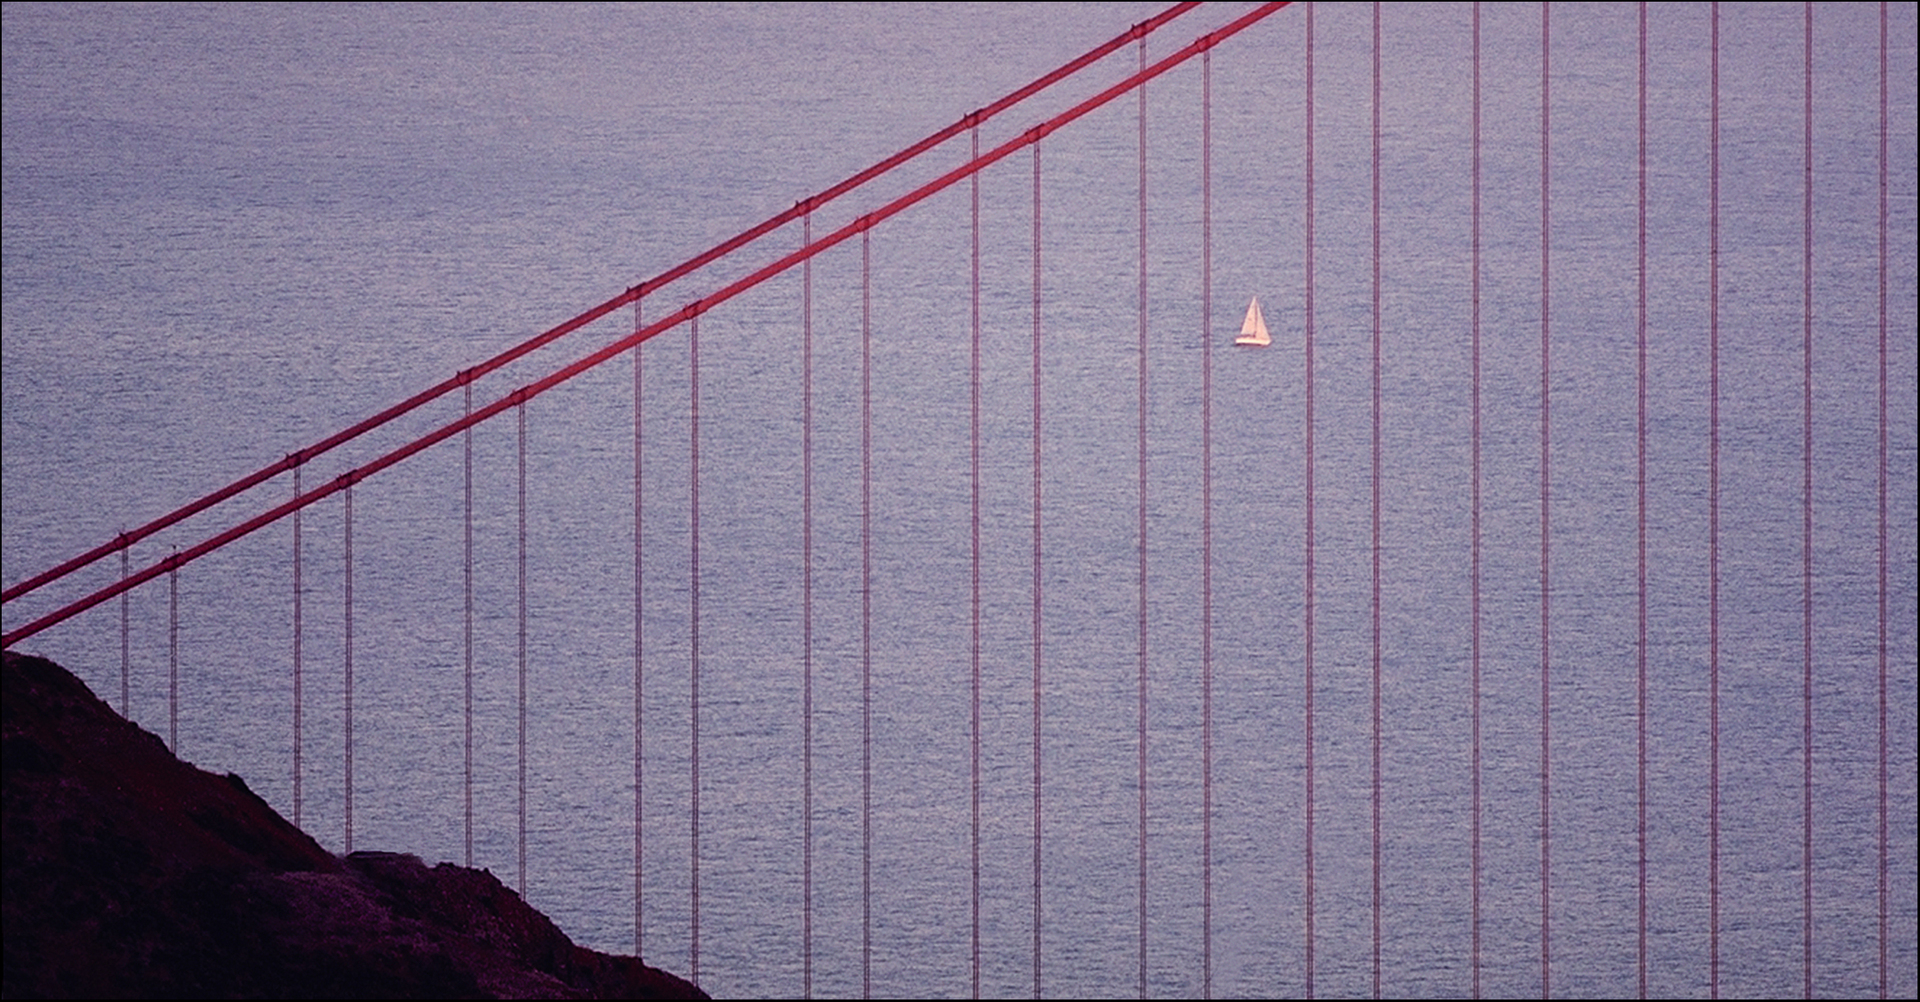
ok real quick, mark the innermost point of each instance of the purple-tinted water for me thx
(232, 231)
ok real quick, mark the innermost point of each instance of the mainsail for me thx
(1253, 330)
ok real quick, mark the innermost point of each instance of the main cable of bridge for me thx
(527, 392)
(301, 457)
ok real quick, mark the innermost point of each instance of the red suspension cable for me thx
(866, 613)
(632, 294)
(1885, 845)
(520, 580)
(1206, 515)
(1473, 693)
(126, 648)
(639, 645)
(806, 612)
(974, 479)
(693, 637)
(1038, 831)
(346, 797)
(467, 626)
(1640, 505)
(1713, 527)
(1806, 523)
(298, 656)
(693, 309)
(1307, 585)
(173, 660)
(1141, 534)
(1546, 502)
(1377, 792)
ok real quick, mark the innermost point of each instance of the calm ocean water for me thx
(230, 231)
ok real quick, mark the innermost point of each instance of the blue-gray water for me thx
(230, 231)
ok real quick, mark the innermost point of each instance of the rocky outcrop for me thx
(131, 873)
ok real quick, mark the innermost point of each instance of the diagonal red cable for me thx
(725, 247)
(686, 313)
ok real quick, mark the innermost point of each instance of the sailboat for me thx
(1253, 330)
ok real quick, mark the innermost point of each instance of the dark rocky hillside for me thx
(131, 873)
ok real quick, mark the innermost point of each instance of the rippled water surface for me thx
(230, 231)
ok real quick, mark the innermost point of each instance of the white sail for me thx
(1253, 330)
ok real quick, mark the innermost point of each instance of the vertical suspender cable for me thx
(467, 622)
(466, 531)
(1037, 830)
(1141, 534)
(1473, 693)
(1308, 587)
(346, 504)
(1884, 844)
(639, 646)
(974, 446)
(693, 643)
(520, 413)
(806, 612)
(1713, 525)
(173, 659)
(1546, 502)
(126, 650)
(1375, 549)
(866, 613)
(1206, 511)
(299, 661)
(1640, 504)
(1206, 516)
(1806, 523)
